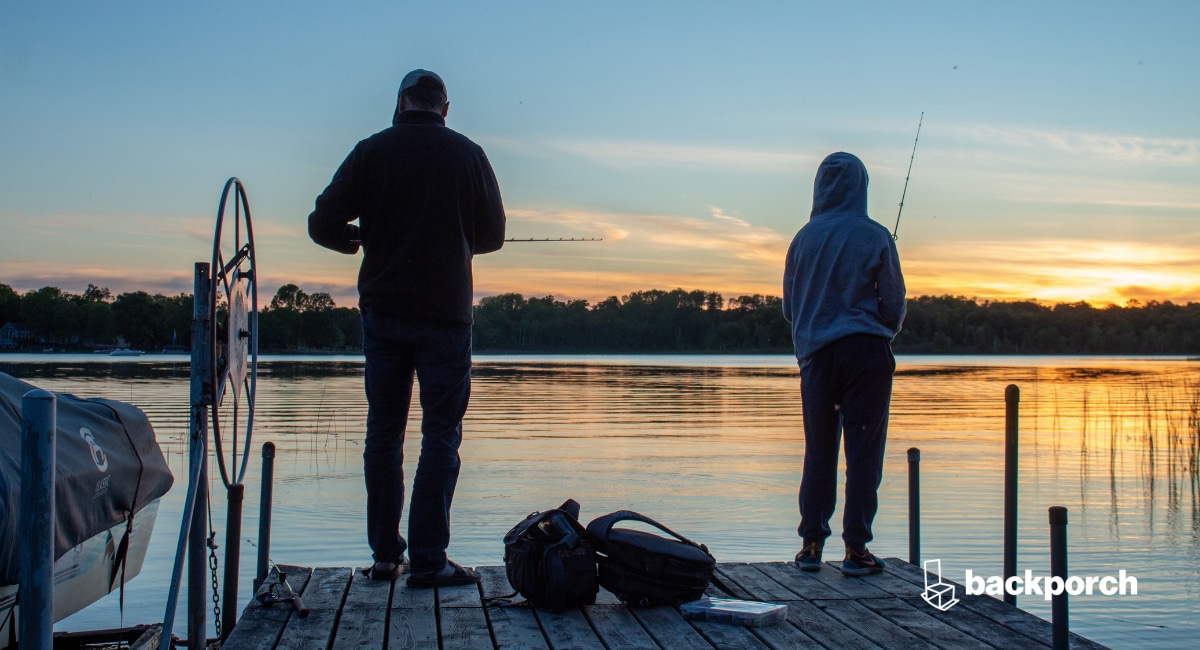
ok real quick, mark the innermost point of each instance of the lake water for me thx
(712, 446)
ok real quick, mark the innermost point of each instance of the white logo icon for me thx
(939, 594)
(98, 455)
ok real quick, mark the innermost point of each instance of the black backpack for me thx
(644, 569)
(551, 561)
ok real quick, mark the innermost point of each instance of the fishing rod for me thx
(281, 592)
(557, 240)
(896, 230)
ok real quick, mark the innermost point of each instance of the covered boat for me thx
(109, 476)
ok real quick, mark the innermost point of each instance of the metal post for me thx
(1012, 401)
(36, 565)
(198, 563)
(914, 506)
(264, 514)
(201, 399)
(1058, 569)
(233, 555)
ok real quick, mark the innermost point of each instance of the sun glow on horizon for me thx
(717, 252)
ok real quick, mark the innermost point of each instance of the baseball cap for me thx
(424, 79)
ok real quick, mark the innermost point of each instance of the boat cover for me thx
(108, 466)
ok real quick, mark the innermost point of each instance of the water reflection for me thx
(712, 446)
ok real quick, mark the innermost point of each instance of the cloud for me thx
(718, 213)
(74, 278)
(730, 237)
(1101, 272)
(626, 154)
(1171, 151)
(1152, 203)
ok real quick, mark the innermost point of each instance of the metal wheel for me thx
(233, 305)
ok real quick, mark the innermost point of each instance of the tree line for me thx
(650, 321)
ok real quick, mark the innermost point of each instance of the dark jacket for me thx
(842, 274)
(426, 201)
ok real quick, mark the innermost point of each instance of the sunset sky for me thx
(1059, 159)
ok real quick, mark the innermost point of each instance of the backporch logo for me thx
(940, 594)
(937, 593)
(1048, 587)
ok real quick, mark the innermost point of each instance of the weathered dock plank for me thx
(569, 630)
(786, 636)
(412, 618)
(412, 628)
(618, 628)
(728, 637)
(669, 629)
(348, 611)
(462, 622)
(800, 583)
(853, 588)
(980, 627)
(458, 596)
(260, 626)
(513, 625)
(753, 581)
(363, 622)
(1028, 625)
(464, 628)
(918, 622)
(323, 595)
(404, 597)
(855, 615)
(827, 630)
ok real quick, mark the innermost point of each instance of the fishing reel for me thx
(281, 592)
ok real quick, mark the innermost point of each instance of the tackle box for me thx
(750, 613)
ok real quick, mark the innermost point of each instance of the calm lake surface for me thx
(712, 446)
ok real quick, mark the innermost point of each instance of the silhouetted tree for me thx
(10, 305)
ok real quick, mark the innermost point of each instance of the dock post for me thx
(914, 506)
(1058, 569)
(264, 514)
(201, 400)
(233, 559)
(36, 566)
(1012, 400)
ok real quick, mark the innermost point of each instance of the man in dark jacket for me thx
(426, 201)
(843, 293)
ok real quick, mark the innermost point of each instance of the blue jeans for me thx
(440, 356)
(846, 389)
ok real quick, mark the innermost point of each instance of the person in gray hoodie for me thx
(844, 295)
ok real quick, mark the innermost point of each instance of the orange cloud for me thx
(1099, 272)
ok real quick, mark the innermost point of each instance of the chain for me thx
(216, 597)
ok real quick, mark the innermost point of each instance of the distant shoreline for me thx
(78, 354)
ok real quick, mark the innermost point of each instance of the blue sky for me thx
(1059, 157)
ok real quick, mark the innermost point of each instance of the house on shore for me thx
(14, 336)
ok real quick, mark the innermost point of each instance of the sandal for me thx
(450, 575)
(386, 570)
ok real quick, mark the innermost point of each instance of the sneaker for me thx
(809, 557)
(861, 564)
(450, 575)
(386, 570)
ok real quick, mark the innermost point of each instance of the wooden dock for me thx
(825, 610)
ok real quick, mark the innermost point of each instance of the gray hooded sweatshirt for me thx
(842, 274)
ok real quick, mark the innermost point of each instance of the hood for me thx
(840, 186)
